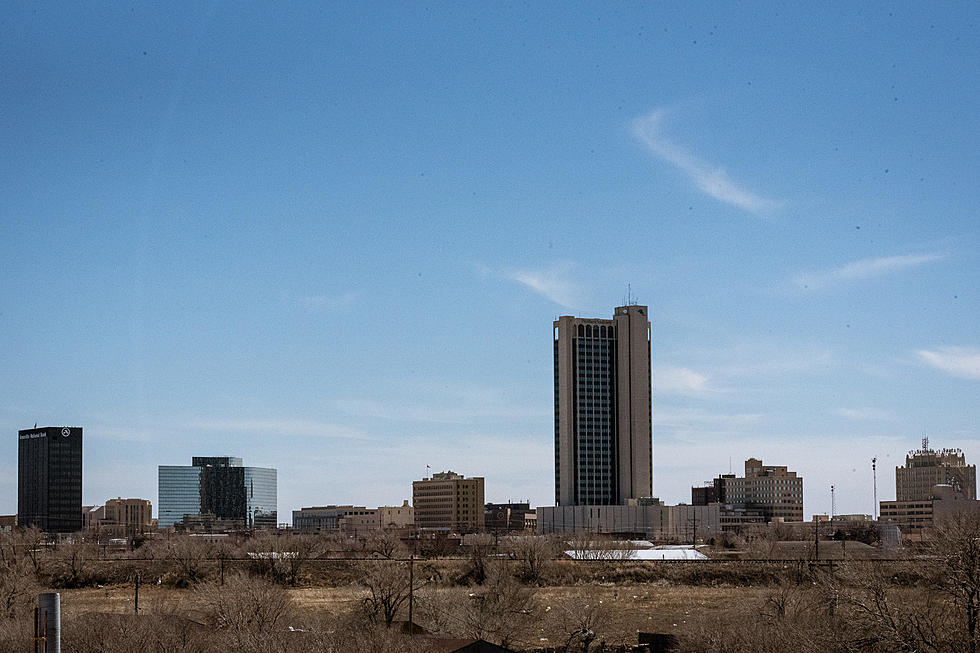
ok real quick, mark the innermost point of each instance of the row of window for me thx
(596, 331)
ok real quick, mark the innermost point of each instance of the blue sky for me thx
(332, 239)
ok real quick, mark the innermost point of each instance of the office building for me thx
(49, 478)
(932, 485)
(926, 468)
(764, 494)
(178, 493)
(217, 489)
(397, 519)
(449, 502)
(507, 516)
(119, 517)
(92, 517)
(603, 411)
(128, 517)
(914, 518)
(325, 519)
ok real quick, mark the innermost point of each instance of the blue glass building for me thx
(218, 488)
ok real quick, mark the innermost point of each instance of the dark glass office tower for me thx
(218, 487)
(49, 478)
(223, 491)
(603, 410)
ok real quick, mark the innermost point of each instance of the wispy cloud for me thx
(701, 427)
(866, 268)
(455, 403)
(864, 413)
(554, 283)
(712, 180)
(301, 427)
(669, 379)
(763, 359)
(963, 362)
(417, 412)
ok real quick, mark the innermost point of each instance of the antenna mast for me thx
(833, 503)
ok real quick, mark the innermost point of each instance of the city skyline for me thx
(332, 240)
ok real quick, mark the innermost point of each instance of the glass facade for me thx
(220, 487)
(179, 493)
(260, 497)
(49, 478)
(595, 415)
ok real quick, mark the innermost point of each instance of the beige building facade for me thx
(926, 468)
(448, 501)
(131, 516)
(603, 408)
(772, 490)
(387, 518)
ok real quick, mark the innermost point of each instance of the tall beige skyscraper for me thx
(603, 411)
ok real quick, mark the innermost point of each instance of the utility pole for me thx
(874, 476)
(695, 538)
(411, 594)
(816, 538)
(136, 595)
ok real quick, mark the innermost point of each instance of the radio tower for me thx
(833, 503)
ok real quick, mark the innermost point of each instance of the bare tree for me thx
(533, 554)
(500, 611)
(882, 617)
(389, 584)
(72, 564)
(253, 614)
(479, 550)
(592, 546)
(385, 544)
(188, 558)
(283, 558)
(581, 618)
(33, 543)
(954, 554)
(18, 581)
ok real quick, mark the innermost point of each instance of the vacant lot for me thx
(617, 611)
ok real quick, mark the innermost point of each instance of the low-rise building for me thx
(653, 520)
(915, 518)
(8, 523)
(506, 516)
(325, 519)
(92, 516)
(128, 517)
(385, 518)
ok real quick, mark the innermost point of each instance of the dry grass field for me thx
(297, 595)
(619, 611)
